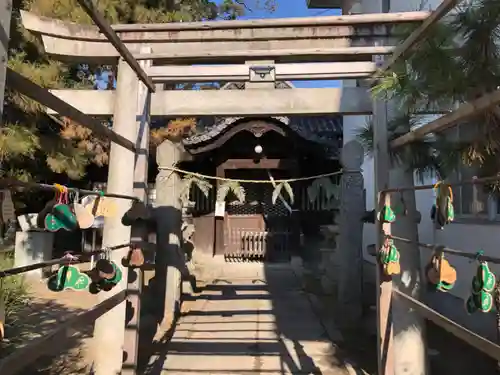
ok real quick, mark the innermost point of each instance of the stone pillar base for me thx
(173, 292)
(31, 248)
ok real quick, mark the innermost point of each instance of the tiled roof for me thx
(324, 130)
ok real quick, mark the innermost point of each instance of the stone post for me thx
(410, 348)
(139, 231)
(350, 240)
(109, 331)
(33, 247)
(170, 261)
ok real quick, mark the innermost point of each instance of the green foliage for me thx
(16, 140)
(231, 187)
(458, 61)
(13, 291)
(426, 156)
(37, 146)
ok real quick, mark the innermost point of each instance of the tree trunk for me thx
(409, 328)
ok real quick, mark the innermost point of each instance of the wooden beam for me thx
(382, 165)
(114, 39)
(168, 32)
(310, 101)
(273, 23)
(62, 29)
(43, 96)
(101, 102)
(272, 53)
(241, 72)
(139, 232)
(55, 341)
(298, 50)
(74, 42)
(480, 343)
(262, 164)
(270, 102)
(463, 112)
(417, 35)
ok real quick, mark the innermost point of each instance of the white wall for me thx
(461, 236)
(412, 5)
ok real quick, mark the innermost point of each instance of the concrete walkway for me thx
(252, 319)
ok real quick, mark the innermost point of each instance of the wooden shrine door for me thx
(257, 230)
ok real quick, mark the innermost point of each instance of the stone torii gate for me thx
(258, 52)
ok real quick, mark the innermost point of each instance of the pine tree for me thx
(458, 61)
(34, 145)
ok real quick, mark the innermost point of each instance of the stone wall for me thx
(333, 267)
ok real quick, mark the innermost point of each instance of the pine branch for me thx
(17, 141)
(68, 147)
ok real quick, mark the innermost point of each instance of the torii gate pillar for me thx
(109, 331)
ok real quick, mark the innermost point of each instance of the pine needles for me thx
(458, 61)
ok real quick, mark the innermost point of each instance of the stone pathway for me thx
(252, 319)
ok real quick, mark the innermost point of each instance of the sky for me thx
(284, 9)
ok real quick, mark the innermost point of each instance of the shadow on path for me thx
(253, 319)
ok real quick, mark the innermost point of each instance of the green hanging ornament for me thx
(388, 215)
(442, 212)
(391, 255)
(117, 275)
(52, 223)
(60, 215)
(388, 257)
(444, 286)
(66, 216)
(69, 277)
(106, 274)
(450, 210)
(488, 278)
(484, 280)
(483, 301)
(483, 284)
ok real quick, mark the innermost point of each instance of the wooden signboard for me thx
(220, 209)
(100, 206)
